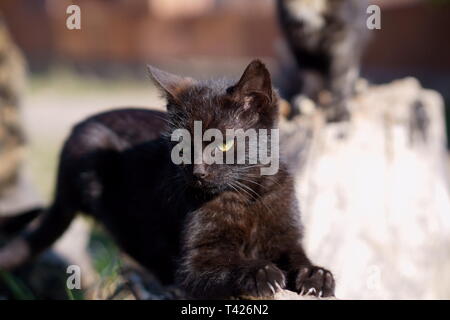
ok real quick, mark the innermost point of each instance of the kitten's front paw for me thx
(315, 281)
(262, 280)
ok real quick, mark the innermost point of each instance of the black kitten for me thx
(327, 38)
(218, 230)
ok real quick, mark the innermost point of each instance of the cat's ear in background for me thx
(169, 84)
(254, 81)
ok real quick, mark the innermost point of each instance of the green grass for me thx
(74, 294)
(104, 254)
(18, 289)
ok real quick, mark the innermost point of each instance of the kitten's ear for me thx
(255, 80)
(170, 84)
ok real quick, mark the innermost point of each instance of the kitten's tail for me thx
(48, 226)
(38, 236)
(12, 225)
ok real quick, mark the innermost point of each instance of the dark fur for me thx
(327, 46)
(213, 240)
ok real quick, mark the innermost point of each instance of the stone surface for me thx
(374, 193)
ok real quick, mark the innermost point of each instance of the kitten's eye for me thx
(226, 146)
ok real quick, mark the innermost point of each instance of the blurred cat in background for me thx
(327, 38)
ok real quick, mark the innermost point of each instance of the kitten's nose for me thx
(200, 172)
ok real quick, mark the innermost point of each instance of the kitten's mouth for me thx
(198, 183)
(205, 186)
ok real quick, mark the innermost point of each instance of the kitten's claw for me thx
(315, 281)
(311, 292)
(277, 286)
(262, 281)
(271, 288)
